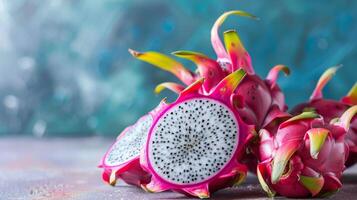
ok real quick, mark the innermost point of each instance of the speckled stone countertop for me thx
(66, 169)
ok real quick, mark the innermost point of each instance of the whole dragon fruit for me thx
(305, 156)
(122, 158)
(258, 95)
(195, 143)
(331, 109)
(255, 97)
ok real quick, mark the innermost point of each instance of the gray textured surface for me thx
(66, 169)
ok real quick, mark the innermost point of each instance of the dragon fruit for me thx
(255, 97)
(195, 143)
(305, 156)
(331, 109)
(122, 158)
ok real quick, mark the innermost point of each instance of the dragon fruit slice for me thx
(195, 143)
(351, 97)
(255, 97)
(305, 157)
(122, 158)
(331, 109)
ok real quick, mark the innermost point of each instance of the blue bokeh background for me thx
(65, 69)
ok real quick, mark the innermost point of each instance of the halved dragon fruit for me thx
(122, 158)
(305, 156)
(195, 143)
(255, 97)
(331, 109)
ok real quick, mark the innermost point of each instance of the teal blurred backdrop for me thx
(65, 69)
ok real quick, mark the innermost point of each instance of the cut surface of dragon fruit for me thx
(129, 143)
(195, 143)
(189, 136)
(122, 158)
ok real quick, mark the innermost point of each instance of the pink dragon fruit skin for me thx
(131, 173)
(305, 156)
(331, 109)
(276, 93)
(255, 96)
(129, 169)
(166, 164)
